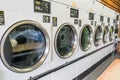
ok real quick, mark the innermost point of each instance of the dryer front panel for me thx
(24, 46)
(65, 41)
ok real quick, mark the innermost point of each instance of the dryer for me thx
(86, 44)
(25, 42)
(64, 40)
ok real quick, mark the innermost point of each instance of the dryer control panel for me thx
(42, 6)
(74, 13)
(102, 20)
(108, 20)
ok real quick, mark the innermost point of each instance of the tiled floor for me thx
(99, 70)
(112, 72)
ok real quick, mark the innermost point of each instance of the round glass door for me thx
(86, 37)
(24, 46)
(111, 34)
(65, 41)
(105, 35)
(98, 36)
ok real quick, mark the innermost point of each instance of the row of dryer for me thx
(38, 36)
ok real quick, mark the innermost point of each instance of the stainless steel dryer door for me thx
(24, 46)
(86, 37)
(65, 40)
(98, 35)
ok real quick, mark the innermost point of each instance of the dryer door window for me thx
(86, 37)
(111, 34)
(105, 35)
(23, 46)
(98, 36)
(65, 41)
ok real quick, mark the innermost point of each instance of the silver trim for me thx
(75, 43)
(91, 36)
(101, 37)
(19, 70)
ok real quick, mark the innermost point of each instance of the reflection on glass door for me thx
(24, 45)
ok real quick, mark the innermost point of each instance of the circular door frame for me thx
(75, 43)
(42, 59)
(80, 34)
(100, 36)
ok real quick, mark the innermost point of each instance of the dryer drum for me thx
(65, 41)
(24, 46)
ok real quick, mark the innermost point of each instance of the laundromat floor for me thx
(102, 67)
(112, 72)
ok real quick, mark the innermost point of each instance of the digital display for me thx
(114, 20)
(117, 17)
(1, 17)
(91, 16)
(108, 19)
(74, 13)
(42, 6)
(101, 18)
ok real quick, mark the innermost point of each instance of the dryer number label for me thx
(42, 6)
(46, 19)
(1, 17)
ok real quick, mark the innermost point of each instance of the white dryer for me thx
(25, 42)
(86, 32)
(90, 39)
(64, 40)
